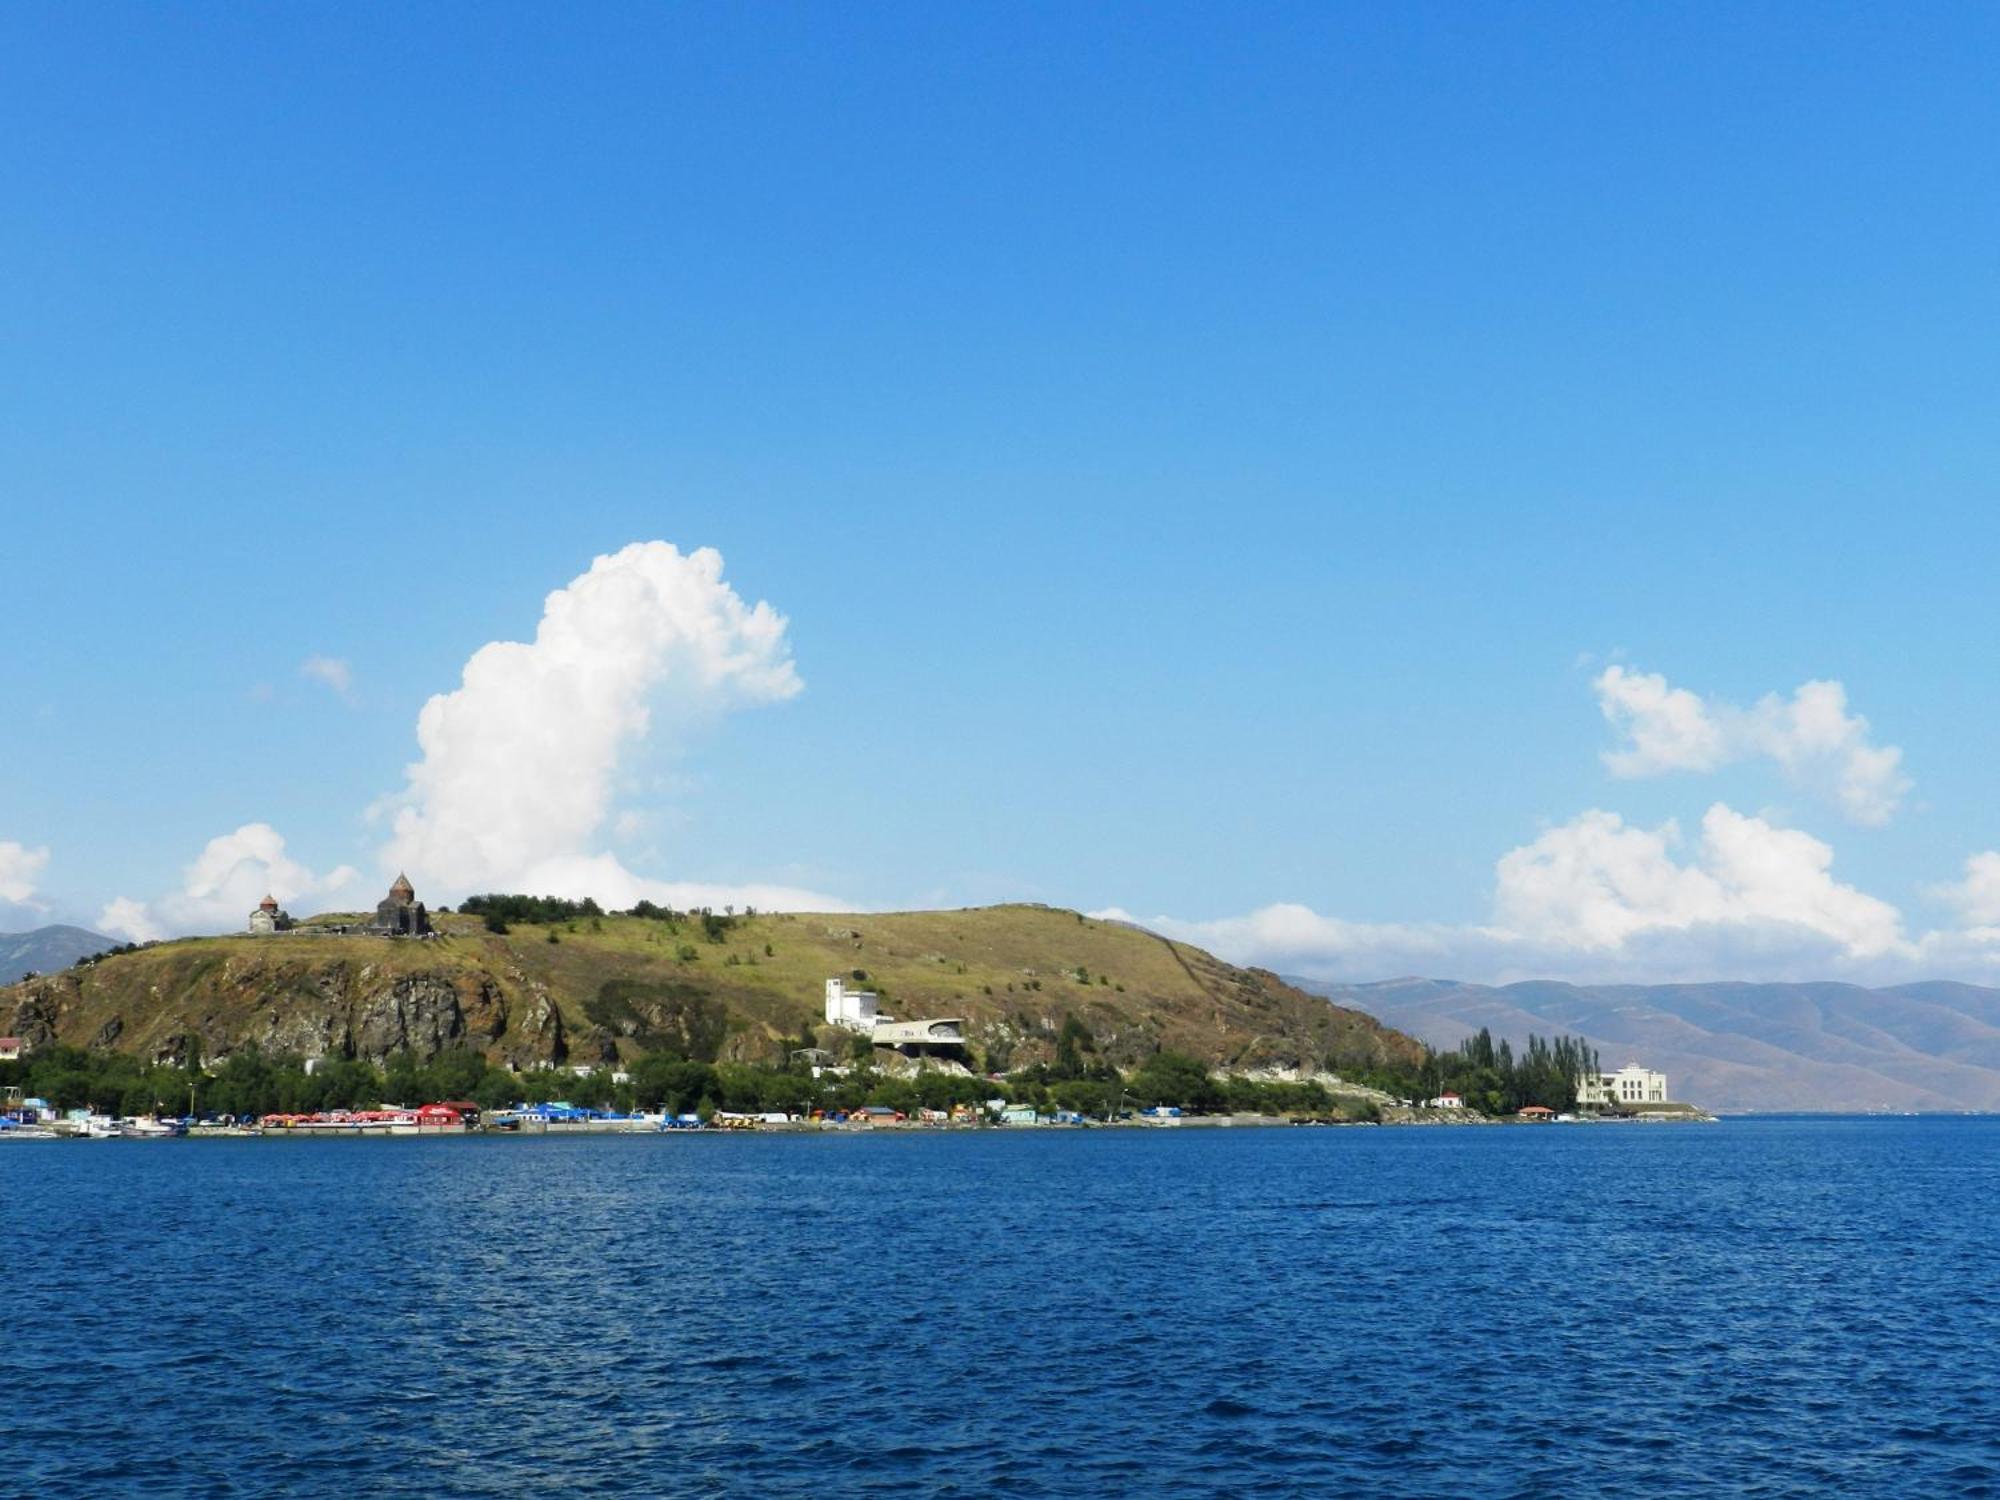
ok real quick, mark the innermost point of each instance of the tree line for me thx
(680, 1072)
(500, 911)
(1492, 1078)
(250, 1082)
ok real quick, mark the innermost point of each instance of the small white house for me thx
(1445, 1101)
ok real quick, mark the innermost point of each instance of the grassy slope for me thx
(297, 989)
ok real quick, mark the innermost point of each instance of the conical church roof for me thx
(402, 890)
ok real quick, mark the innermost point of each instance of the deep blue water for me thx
(1762, 1307)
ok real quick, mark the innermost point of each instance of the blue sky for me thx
(1206, 455)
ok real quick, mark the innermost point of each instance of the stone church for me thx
(269, 917)
(400, 913)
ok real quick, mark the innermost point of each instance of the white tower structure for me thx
(854, 1009)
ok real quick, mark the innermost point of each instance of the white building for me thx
(854, 1009)
(1445, 1101)
(1630, 1085)
(939, 1037)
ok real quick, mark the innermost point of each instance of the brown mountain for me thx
(1728, 1046)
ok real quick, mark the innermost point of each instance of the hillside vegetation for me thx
(611, 988)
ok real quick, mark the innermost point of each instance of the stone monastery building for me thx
(398, 914)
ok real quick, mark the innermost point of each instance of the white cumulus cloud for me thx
(20, 871)
(520, 761)
(1976, 897)
(233, 872)
(1811, 736)
(1597, 898)
(129, 919)
(1595, 882)
(605, 878)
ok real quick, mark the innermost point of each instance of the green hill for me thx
(613, 987)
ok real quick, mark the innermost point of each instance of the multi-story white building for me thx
(854, 1009)
(1630, 1085)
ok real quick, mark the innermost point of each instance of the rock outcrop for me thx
(612, 988)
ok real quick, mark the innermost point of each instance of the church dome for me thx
(402, 890)
(269, 903)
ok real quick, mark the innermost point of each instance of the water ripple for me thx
(1771, 1308)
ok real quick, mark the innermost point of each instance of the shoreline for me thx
(343, 1131)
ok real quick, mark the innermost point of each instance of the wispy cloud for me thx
(330, 671)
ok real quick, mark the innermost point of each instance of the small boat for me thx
(101, 1128)
(151, 1129)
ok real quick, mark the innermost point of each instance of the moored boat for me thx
(149, 1128)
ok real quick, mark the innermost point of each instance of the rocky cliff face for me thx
(611, 990)
(289, 1001)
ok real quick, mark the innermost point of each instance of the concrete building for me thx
(1445, 1101)
(1628, 1086)
(854, 1009)
(942, 1038)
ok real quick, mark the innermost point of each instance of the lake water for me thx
(1762, 1307)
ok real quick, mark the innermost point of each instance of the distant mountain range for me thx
(46, 950)
(1930, 1046)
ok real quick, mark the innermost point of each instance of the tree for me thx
(497, 1090)
(1071, 1043)
(1084, 1096)
(402, 1081)
(1177, 1079)
(455, 1074)
(661, 1080)
(895, 1093)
